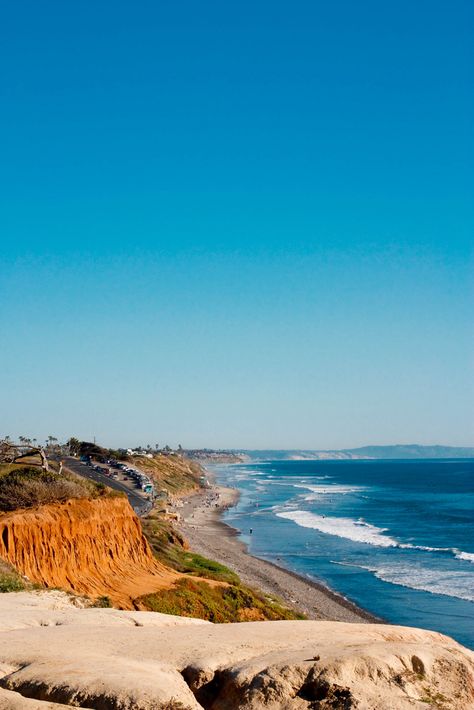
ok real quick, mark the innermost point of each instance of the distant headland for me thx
(394, 451)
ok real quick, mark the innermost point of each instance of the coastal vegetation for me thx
(89, 448)
(27, 486)
(217, 603)
(221, 603)
(102, 602)
(10, 580)
(170, 548)
(172, 474)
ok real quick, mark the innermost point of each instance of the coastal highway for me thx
(140, 505)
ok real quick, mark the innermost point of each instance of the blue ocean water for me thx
(395, 537)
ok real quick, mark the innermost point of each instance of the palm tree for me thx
(74, 445)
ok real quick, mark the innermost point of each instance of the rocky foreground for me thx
(53, 654)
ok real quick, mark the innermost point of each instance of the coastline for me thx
(202, 525)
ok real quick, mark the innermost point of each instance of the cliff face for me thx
(93, 547)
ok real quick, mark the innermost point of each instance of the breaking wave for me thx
(327, 490)
(360, 531)
(467, 556)
(446, 582)
(355, 530)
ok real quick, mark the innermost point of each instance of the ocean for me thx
(395, 537)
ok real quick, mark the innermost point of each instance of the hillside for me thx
(413, 451)
(206, 456)
(192, 595)
(173, 474)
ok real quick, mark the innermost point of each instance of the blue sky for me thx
(237, 226)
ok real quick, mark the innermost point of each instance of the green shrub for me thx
(103, 602)
(31, 486)
(11, 582)
(202, 567)
(219, 604)
(169, 547)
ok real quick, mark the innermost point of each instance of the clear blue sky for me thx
(237, 224)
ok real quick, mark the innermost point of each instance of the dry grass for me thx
(175, 474)
(28, 486)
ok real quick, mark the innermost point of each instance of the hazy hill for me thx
(396, 451)
(413, 451)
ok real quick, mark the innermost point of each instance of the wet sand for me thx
(207, 535)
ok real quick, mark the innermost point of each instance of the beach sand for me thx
(207, 535)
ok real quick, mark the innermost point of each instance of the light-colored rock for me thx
(10, 700)
(104, 658)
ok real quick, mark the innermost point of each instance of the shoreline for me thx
(207, 534)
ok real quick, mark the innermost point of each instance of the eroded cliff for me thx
(92, 547)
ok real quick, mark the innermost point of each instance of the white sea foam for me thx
(449, 583)
(319, 491)
(329, 489)
(467, 556)
(424, 548)
(356, 530)
(458, 554)
(360, 531)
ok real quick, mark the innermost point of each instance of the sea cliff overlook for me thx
(63, 648)
(52, 652)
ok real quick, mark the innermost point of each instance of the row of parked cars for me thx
(141, 480)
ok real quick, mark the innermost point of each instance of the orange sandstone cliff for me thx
(92, 547)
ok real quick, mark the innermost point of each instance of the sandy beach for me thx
(202, 526)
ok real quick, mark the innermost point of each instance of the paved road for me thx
(139, 504)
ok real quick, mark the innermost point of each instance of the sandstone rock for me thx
(109, 659)
(93, 547)
(14, 701)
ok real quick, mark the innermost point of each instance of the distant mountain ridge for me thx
(414, 451)
(395, 451)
